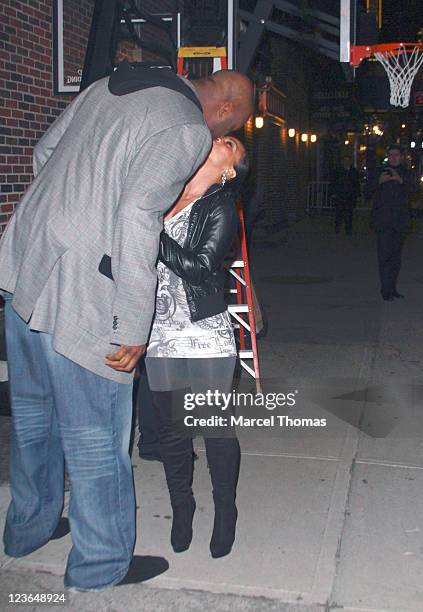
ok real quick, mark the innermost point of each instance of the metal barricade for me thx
(318, 197)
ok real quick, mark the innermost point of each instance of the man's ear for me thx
(225, 109)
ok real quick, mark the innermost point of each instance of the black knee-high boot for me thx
(223, 457)
(176, 452)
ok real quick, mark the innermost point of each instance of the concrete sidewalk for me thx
(329, 518)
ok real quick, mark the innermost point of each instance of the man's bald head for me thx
(227, 98)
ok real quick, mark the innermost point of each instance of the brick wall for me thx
(283, 165)
(26, 87)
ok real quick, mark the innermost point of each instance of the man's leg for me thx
(348, 216)
(36, 457)
(397, 244)
(94, 416)
(384, 252)
(338, 215)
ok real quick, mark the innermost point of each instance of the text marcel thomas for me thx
(223, 400)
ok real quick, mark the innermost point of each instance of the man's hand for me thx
(392, 175)
(396, 176)
(126, 358)
(385, 177)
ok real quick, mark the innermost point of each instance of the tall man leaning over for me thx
(105, 172)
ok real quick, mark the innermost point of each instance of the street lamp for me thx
(304, 137)
(313, 138)
(259, 122)
(291, 132)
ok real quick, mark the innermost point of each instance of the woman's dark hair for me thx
(241, 168)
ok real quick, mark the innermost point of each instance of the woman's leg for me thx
(223, 452)
(175, 445)
(223, 457)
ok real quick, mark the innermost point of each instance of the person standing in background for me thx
(345, 189)
(390, 218)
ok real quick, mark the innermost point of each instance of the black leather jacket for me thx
(212, 228)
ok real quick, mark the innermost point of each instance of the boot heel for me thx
(224, 528)
(181, 534)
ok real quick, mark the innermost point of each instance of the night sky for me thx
(402, 20)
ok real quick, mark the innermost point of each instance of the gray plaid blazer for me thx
(105, 172)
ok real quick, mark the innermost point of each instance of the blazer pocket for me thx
(105, 266)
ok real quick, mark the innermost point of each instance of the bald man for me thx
(77, 270)
(227, 98)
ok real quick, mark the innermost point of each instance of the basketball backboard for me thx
(346, 29)
(360, 22)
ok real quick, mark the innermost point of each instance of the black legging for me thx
(176, 377)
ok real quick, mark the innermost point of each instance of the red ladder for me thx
(243, 311)
(217, 54)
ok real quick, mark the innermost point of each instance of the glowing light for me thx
(412, 144)
(403, 126)
(346, 142)
(291, 132)
(313, 138)
(304, 137)
(259, 122)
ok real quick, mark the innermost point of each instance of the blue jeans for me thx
(64, 413)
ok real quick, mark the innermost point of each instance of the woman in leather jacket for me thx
(192, 348)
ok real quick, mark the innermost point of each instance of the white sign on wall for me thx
(71, 27)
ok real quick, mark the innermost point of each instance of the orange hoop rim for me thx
(361, 52)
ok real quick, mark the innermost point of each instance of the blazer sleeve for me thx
(195, 266)
(48, 142)
(156, 176)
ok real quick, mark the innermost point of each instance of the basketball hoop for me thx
(401, 62)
